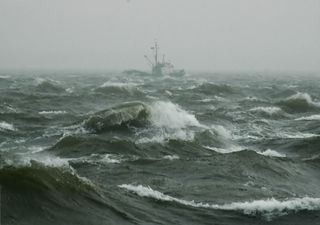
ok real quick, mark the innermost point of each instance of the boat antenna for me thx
(149, 61)
(156, 48)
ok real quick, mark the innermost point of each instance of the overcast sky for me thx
(194, 34)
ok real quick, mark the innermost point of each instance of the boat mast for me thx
(156, 48)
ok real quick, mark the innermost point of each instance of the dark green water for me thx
(120, 149)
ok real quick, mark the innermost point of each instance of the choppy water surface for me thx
(120, 149)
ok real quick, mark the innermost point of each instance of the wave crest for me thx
(268, 208)
(43, 174)
(159, 121)
(211, 88)
(44, 85)
(133, 113)
(300, 102)
(267, 111)
(117, 88)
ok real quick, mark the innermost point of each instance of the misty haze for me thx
(159, 112)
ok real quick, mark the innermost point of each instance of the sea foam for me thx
(169, 115)
(6, 126)
(272, 153)
(52, 112)
(268, 208)
(307, 118)
(117, 84)
(304, 96)
(267, 110)
(170, 121)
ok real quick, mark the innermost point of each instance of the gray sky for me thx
(194, 34)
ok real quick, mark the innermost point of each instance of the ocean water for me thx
(108, 148)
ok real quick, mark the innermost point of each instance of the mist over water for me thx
(128, 149)
(203, 35)
(215, 118)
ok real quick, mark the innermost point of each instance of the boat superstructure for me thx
(161, 67)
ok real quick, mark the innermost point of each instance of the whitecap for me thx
(163, 136)
(304, 96)
(117, 84)
(169, 115)
(169, 93)
(269, 208)
(272, 153)
(36, 149)
(231, 149)
(171, 157)
(70, 90)
(169, 122)
(206, 100)
(47, 160)
(40, 80)
(110, 158)
(312, 117)
(222, 131)
(6, 126)
(97, 158)
(268, 110)
(251, 98)
(52, 112)
(297, 135)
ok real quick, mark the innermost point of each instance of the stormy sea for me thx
(117, 148)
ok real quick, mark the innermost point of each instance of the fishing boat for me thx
(158, 67)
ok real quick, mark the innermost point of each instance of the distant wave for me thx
(272, 153)
(7, 108)
(225, 150)
(232, 149)
(42, 174)
(48, 85)
(268, 208)
(99, 158)
(297, 135)
(6, 126)
(267, 111)
(300, 102)
(312, 117)
(52, 112)
(117, 84)
(118, 88)
(211, 88)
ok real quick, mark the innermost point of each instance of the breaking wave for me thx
(234, 148)
(211, 88)
(133, 113)
(272, 153)
(309, 118)
(268, 208)
(169, 121)
(300, 102)
(117, 88)
(158, 121)
(42, 174)
(6, 126)
(59, 112)
(297, 135)
(267, 111)
(47, 85)
(170, 116)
